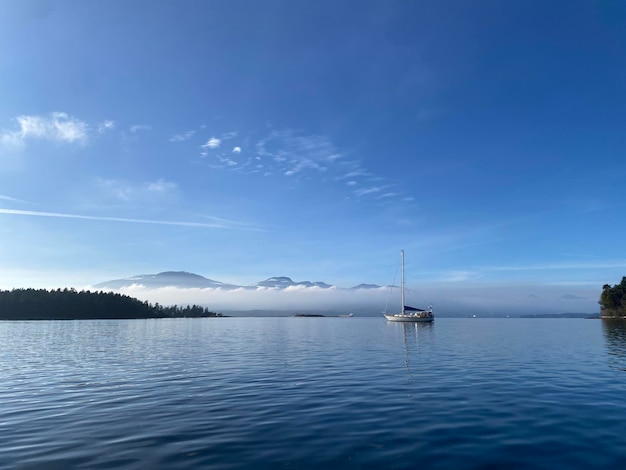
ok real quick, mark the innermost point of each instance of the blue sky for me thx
(246, 139)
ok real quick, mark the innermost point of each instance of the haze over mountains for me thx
(280, 295)
(273, 296)
(186, 280)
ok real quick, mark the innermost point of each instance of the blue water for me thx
(297, 393)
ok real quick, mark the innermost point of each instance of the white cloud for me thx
(229, 135)
(212, 143)
(468, 298)
(106, 126)
(55, 127)
(363, 192)
(182, 137)
(12, 139)
(292, 299)
(117, 189)
(140, 127)
(161, 186)
(237, 150)
(127, 191)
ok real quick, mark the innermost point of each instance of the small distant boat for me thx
(410, 314)
(349, 315)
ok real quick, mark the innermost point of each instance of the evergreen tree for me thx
(69, 304)
(613, 300)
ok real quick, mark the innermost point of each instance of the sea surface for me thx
(298, 393)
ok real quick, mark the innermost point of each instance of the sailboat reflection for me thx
(415, 340)
(615, 334)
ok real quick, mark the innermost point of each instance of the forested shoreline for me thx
(70, 304)
(613, 300)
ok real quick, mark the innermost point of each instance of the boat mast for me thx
(402, 285)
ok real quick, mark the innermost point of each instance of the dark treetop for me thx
(613, 300)
(69, 304)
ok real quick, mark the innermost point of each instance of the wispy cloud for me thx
(13, 199)
(459, 276)
(117, 189)
(216, 225)
(300, 156)
(183, 136)
(212, 143)
(561, 266)
(294, 153)
(365, 191)
(55, 127)
(161, 186)
(229, 222)
(106, 126)
(126, 191)
(140, 127)
(353, 169)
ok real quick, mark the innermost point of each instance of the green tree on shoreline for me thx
(69, 304)
(613, 300)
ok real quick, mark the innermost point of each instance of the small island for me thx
(613, 300)
(69, 304)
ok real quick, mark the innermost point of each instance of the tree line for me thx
(69, 304)
(613, 300)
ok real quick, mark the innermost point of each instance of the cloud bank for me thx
(292, 299)
(468, 300)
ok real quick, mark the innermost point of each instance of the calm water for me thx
(310, 392)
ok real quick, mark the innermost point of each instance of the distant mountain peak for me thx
(280, 279)
(276, 281)
(366, 286)
(181, 279)
(187, 280)
(182, 274)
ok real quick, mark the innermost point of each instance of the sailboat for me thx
(410, 314)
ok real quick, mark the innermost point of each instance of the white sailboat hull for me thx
(410, 314)
(399, 317)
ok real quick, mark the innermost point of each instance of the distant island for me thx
(613, 300)
(69, 304)
(560, 315)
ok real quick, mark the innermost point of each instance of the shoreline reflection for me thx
(615, 334)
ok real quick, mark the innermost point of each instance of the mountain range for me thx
(186, 280)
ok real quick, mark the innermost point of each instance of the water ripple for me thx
(305, 393)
